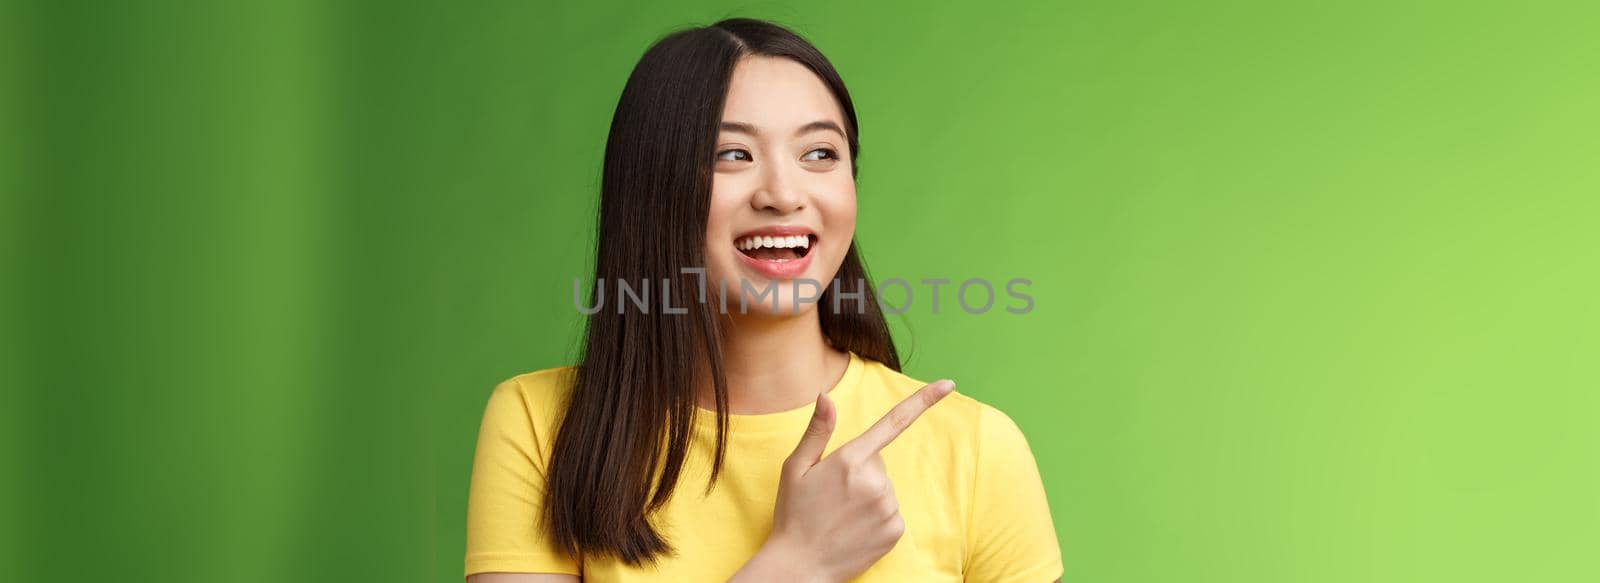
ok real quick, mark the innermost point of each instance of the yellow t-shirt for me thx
(969, 490)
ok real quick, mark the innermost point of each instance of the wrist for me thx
(779, 560)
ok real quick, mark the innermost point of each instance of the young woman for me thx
(742, 431)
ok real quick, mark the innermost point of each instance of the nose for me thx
(778, 192)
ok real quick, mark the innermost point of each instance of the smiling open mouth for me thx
(776, 249)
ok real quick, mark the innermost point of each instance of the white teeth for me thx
(757, 242)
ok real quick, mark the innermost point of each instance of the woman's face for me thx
(783, 199)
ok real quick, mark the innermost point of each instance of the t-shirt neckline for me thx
(780, 420)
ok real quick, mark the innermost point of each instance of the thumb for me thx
(815, 439)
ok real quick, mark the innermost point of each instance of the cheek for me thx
(719, 230)
(837, 205)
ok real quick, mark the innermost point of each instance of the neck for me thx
(775, 364)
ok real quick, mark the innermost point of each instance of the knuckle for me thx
(896, 527)
(889, 506)
(899, 419)
(871, 485)
(817, 425)
(851, 457)
(865, 482)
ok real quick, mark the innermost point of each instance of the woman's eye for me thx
(733, 155)
(820, 154)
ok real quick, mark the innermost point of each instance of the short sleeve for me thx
(505, 505)
(1010, 536)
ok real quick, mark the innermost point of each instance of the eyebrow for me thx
(744, 128)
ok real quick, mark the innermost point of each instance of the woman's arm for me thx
(774, 563)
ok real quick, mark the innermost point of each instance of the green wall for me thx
(1315, 285)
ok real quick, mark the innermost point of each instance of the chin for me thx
(787, 307)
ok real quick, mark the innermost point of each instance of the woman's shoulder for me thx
(957, 414)
(554, 380)
(536, 398)
(963, 429)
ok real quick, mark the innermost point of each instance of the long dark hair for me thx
(626, 431)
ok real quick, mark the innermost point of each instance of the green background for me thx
(1316, 285)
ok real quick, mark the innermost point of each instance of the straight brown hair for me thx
(627, 427)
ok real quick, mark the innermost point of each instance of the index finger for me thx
(900, 417)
